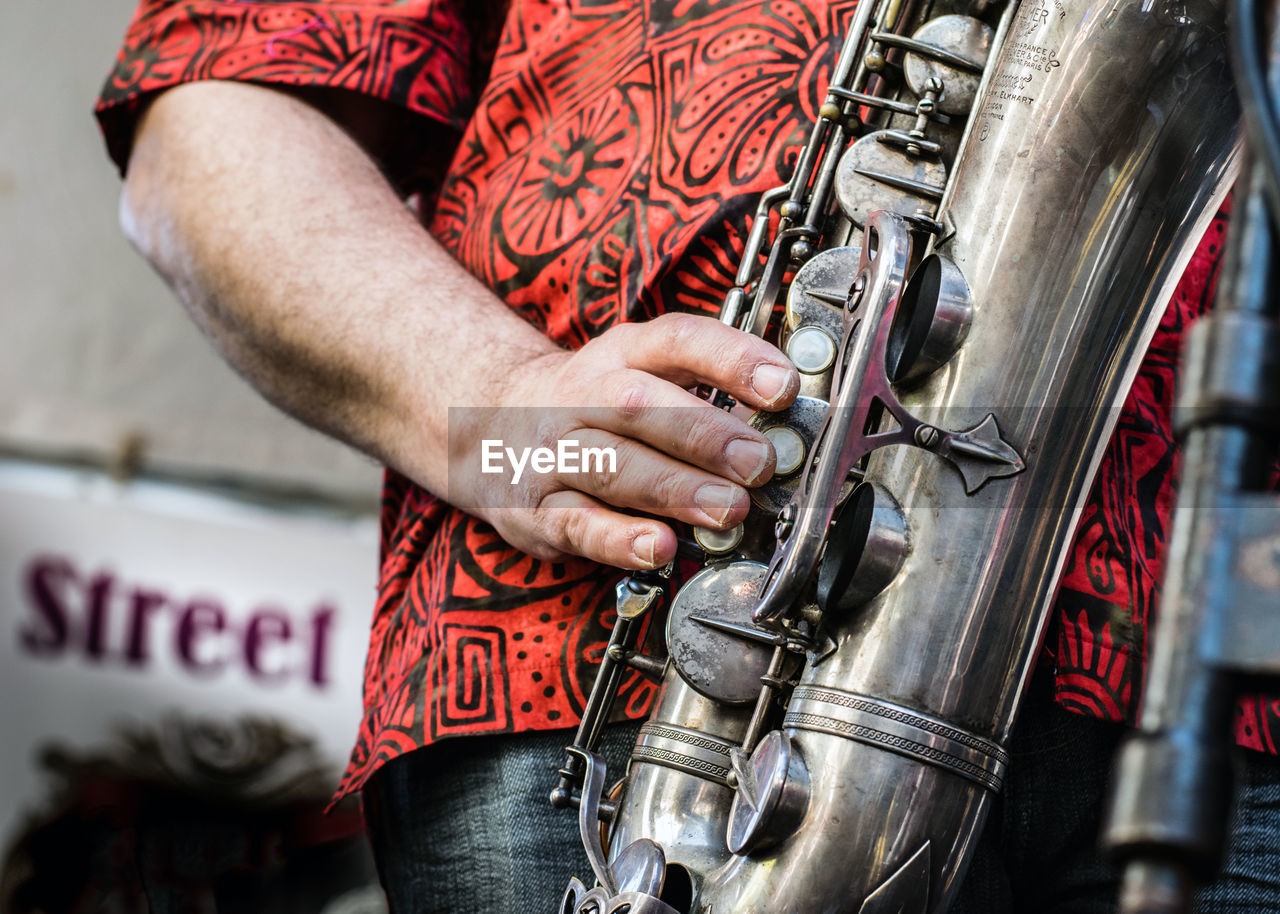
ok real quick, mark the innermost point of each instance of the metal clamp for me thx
(1232, 374)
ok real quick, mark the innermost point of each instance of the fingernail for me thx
(645, 547)
(748, 458)
(716, 501)
(770, 382)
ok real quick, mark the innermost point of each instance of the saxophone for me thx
(967, 266)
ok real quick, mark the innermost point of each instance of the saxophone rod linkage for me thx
(844, 71)
(638, 594)
(800, 206)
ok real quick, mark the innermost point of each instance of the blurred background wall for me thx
(97, 361)
(186, 576)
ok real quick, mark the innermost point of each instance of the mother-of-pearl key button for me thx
(718, 542)
(811, 350)
(789, 447)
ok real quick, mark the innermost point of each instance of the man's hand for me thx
(297, 258)
(677, 456)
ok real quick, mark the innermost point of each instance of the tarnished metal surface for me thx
(703, 633)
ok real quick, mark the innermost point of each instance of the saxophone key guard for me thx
(877, 344)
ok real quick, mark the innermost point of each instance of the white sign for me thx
(129, 602)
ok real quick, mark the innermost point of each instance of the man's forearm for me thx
(296, 257)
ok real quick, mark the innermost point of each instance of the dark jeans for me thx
(466, 826)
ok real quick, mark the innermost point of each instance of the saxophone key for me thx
(794, 429)
(951, 50)
(789, 448)
(876, 174)
(812, 350)
(772, 795)
(719, 542)
(715, 647)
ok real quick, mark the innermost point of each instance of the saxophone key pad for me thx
(719, 542)
(714, 645)
(962, 36)
(875, 175)
(792, 432)
(789, 448)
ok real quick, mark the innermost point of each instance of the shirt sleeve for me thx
(412, 53)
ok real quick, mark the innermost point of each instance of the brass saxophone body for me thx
(974, 253)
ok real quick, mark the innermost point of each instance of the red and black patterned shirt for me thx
(608, 159)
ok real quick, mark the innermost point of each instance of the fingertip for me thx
(668, 544)
(789, 393)
(753, 460)
(722, 504)
(654, 548)
(776, 385)
(644, 548)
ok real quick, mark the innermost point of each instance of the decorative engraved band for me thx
(898, 729)
(684, 750)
